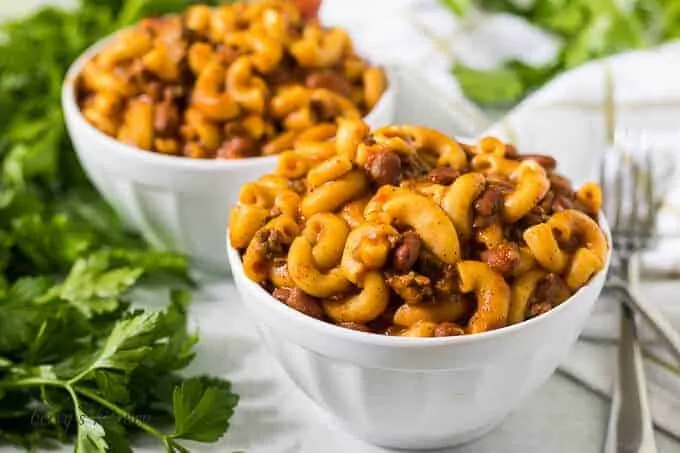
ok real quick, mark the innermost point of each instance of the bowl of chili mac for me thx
(417, 288)
(171, 116)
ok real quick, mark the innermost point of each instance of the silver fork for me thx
(634, 179)
(630, 205)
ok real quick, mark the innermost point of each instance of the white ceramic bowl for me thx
(176, 203)
(416, 393)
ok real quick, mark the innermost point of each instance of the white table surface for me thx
(275, 417)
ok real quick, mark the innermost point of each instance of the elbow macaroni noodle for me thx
(491, 292)
(234, 81)
(428, 220)
(404, 231)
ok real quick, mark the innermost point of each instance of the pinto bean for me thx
(443, 175)
(489, 203)
(300, 301)
(406, 254)
(561, 203)
(330, 81)
(166, 119)
(560, 184)
(237, 148)
(552, 290)
(384, 168)
(546, 204)
(547, 162)
(281, 294)
(503, 258)
(538, 308)
(500, 182)
(448, 329)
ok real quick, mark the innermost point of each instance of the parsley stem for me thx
(74, 391)
(122, 413)
(74, 380)
(76, 403)
(167, 440)
(32, 382)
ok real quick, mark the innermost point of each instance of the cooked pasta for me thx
(405, 231)
(239, 80)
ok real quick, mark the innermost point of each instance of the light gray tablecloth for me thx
(275, 417)
(562, 417)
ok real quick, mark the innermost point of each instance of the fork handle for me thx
(652, 316)
(634, 425)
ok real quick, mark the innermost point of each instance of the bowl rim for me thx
(331, 330)
(73, 111)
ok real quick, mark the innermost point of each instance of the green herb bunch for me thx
(77, 361)
(588, 29)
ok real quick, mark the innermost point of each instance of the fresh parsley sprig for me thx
(76, 349)
(77, 361)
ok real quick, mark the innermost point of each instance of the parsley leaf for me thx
(177, 352)
(127, 344)
(489, 86)
(93, 287)
(19, 322)
(116, 435)
(49, 345)
(91, 436)
(202, 408)
(49, 244)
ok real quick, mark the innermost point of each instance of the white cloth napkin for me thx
(568, 118)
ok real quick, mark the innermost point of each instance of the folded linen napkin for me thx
(571, 118)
